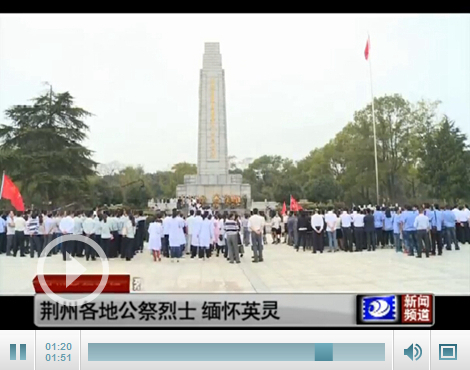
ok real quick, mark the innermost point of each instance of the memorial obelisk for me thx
(212, 163)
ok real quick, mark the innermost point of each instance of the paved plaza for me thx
(283, 270)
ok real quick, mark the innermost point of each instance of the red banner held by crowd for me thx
(294, 205)
(284, 209)
(11, 192)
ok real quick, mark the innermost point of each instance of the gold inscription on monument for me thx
(213, 127)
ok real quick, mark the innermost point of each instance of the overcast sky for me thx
(292, 81)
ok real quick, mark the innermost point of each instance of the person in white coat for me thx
(195, 231)
(182, 229)
(206, 235)
(175, 230)
(155, 237)
(221, 241)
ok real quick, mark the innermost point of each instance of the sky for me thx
(292, 81)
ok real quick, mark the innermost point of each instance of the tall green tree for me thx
(41, 148)
(445, 163)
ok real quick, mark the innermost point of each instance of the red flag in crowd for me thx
(284, 209)
(11, 192)
(294, 206)
(366, 52)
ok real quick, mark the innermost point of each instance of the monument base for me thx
(209, 186)
(209, 191)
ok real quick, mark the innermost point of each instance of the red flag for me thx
(294, 206)
(284, 209)
(366, 52)
(11, 192)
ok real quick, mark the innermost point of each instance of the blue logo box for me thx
(380, 308)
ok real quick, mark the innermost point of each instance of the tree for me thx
(41, 148)
(445, 165)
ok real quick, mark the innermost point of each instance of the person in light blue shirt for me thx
(379, 218)
(449, 223)
(397, 230)
(388, 228)
(409, 230)
(436, 230)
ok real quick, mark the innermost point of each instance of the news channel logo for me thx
(379, 309)
(448, 352)
(414, 353)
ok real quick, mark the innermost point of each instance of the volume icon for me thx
(414, 353)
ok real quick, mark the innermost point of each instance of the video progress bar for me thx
(236, 351)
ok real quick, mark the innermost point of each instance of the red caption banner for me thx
(84, 284)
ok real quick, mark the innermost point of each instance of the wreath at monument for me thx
(228, 200)
(236, 201)
(203, 200)
(216, 201)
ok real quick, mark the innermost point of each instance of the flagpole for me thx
(375, 135)
(1, 187)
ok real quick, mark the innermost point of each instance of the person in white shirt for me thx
(122, 223)
(285, 219)
(49, 227)
(330, 219)
(78, 230)
(276, 229)
(358, 221)
(257, 224)
(346, 221)
(57, 233)
(88, 226)
(190, 229)
(106, 236)
(339, 232)
(11, 246)
(129, 234)
(114, 224)
(66, 227)
(317, 223)
(20, 225)
(422, 226)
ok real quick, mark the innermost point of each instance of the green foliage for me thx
(41, 149)
(421, 157)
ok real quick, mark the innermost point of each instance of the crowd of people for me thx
(119, 234)
(122, 234)
(204, 233)
(410, 229)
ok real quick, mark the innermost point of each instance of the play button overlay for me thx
(73, 270)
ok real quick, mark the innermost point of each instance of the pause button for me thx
(13, 352)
